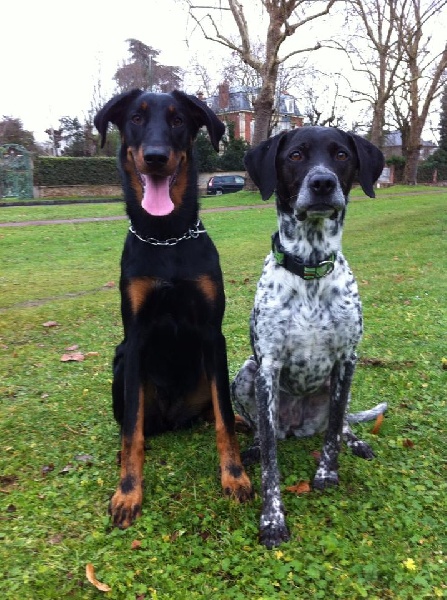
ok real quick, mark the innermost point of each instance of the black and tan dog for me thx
(171, 367)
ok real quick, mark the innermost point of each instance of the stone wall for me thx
(110, 191)
(83, 191)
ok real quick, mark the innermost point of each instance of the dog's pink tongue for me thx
(156, 198)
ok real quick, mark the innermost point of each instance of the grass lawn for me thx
(379, 535)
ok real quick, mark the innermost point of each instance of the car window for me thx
(239, 179)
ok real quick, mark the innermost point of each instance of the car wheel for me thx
(218, 192)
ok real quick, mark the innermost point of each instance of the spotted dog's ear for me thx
(113, 112)
(371, 163)
(260, 163)
(203, 115)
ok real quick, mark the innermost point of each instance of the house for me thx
(392, 146)
(235, 105)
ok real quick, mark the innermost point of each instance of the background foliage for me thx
(55, 171)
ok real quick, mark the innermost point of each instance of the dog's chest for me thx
(306, 326)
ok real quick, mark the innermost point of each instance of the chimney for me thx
(224, 96)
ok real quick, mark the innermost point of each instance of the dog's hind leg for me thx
(357, 446)
(273, 529)
(244, 402)
(118, 383)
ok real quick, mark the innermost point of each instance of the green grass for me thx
(380, 534)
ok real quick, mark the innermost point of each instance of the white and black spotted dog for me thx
(307, 317)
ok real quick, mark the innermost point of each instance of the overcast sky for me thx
(53, 52)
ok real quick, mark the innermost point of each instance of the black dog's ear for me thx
(113, 112)
(371, 163)
(203, 115)
(260, 163)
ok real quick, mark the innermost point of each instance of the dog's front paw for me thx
(325, 478)
(125, 508)
(237, 485)
(273, 532)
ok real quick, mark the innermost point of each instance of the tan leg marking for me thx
(235, 481)
(125, 505)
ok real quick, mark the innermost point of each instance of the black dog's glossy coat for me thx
(171, 367)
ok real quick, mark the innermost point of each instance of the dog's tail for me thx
(367, 415)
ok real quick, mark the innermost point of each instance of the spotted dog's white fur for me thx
(304, 333)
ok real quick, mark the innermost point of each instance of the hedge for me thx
(425, 173)
(58, 171)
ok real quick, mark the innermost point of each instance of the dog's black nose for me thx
(322, 184)
(156, 155)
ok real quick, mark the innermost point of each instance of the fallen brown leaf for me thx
(76, 356)
(135, 545)
(69, 467)
(408, 443)
(377, 425)
(90, 574)
(302, 487)
(86, 458)
(73, 347)
(47, 469)
(50, 324)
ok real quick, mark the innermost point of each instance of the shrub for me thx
(55, 171)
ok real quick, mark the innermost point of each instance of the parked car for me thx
(224, 184)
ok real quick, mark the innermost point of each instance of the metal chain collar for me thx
(194, 232)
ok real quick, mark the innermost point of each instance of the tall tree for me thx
(72, 134)
(12, 132)
(283, 19)
(143, 70)
(443, 121)
(375, 54)
(424, 75)
(439, 157)
(403, 69)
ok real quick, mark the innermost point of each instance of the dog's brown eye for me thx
(296, 155)
(341, 155)
(136, 119)
(177, 121)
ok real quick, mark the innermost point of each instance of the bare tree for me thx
(284, 18)
(423, 79)
(375, 55)
(391, 49)
(202, 78)
(323, 100)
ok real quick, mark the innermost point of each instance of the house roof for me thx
(394, 139)
(241, 98)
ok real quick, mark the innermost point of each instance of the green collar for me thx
(298, 267)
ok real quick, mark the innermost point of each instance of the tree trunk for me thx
(377, 124)
(412, 151)
(411, 167)
(263, 111)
